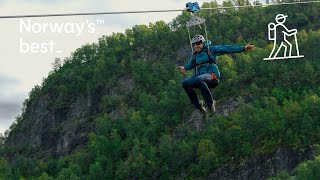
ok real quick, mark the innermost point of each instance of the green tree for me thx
(5, 170)
(72, 172)
(45, 176)
(96, 171)
(207, 155)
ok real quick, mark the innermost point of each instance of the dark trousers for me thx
(204, 82)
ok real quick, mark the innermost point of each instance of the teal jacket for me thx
(202, 58)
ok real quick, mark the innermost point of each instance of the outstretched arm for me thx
(226, 49)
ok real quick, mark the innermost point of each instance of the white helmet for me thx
(197, 38)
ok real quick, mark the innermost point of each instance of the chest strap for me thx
(211, 60)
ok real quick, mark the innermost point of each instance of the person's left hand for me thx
(250, 47)
(182, 69)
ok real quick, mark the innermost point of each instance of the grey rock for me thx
(261, 167)
(222, 109)
(59, 132)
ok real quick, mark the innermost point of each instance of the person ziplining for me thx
(207, 75)
(204, 61)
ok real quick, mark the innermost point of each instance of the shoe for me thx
(202, 109)
(212, 109)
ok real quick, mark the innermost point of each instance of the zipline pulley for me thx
(192, 7)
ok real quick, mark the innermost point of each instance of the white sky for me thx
(20, 72)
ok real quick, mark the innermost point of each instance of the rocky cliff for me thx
(261, 167)
(56, 133)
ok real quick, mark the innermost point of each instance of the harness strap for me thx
(211, 60)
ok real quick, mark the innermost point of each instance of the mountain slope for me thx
(116, 109)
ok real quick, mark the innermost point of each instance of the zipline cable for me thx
(153, 11)
(261, 5)
(85, 14)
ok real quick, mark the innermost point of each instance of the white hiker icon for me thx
(284, 34)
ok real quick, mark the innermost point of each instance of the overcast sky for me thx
(21, 70)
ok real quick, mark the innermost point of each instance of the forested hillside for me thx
(116, 109)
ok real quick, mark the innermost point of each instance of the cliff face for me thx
(222, 109)
(265, 166)
(57, 133)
